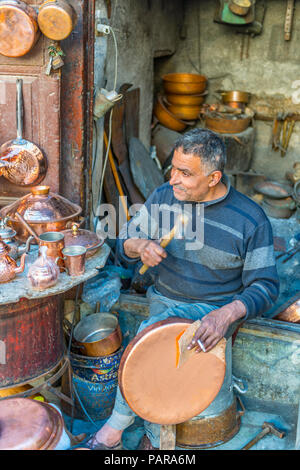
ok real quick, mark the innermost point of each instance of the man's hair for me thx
(205, 144)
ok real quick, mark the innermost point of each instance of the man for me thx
(223, 276)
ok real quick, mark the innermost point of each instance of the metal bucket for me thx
(220, 421)
(96, 369)
(95, 381)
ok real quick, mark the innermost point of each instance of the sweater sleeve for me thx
(144, 224)
(259, 277)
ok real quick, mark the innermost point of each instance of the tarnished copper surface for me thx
(43, 210)
(28, 425)
(86, 238)
(56, 19)
(209, 431)
(18, 28)
(152, 385)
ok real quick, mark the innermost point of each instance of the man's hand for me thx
(215, 324)
(150, 252)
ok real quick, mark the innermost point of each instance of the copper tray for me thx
(154, 388)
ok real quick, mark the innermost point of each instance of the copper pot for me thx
(56, 19)
(86, 238)
(8, 266)
(98, 334)
(184, 111)
(18, 28)
(239, 7)
(235, 96)
(188, 100)
(43, 210)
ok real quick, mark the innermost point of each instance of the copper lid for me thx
(41, 205)
(27, 424)
(158, 391)
(86, 238)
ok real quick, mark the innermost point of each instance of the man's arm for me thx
(261, 288)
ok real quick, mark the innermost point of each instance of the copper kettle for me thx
(8, 266)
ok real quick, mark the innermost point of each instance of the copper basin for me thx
(184, 111)
(188, 100)
(227, 126)
(98, 334)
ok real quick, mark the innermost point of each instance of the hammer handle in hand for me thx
(163, 243)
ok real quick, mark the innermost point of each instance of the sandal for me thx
(94, 444)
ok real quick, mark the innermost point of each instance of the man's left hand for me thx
(215, 324)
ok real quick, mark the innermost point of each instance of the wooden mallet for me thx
(181, 220)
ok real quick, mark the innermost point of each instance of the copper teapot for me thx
(8, 266)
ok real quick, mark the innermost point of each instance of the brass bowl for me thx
(166, 118)
(227, 126)
(184, 83)
(235, 96)
(184, 112)
(185, 100)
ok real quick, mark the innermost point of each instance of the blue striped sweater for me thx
(232, 260)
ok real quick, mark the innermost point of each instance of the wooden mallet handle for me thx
(181, 219)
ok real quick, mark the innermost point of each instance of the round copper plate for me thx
(25, 424)
(154, 388)
(18, 28)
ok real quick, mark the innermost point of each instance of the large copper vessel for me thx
(43, 210)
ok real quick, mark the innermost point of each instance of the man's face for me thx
(188, 178)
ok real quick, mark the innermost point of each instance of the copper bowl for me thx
(166, 118)
(227, 126)
(86, 238)
(187, 100)
(184, 83)
(43, 210)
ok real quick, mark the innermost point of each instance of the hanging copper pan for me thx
(157, 390)
(18, 28)
(21, 161)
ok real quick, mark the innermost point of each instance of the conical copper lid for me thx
(86, 238)
(41, 205)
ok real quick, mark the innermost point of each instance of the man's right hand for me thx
(150, 252)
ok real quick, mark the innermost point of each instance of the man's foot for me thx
(106, 438)
(145, 444)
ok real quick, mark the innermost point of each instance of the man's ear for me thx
(214, 178)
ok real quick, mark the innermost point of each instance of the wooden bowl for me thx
(184, 83)
(187, 100)
(184, 112)
(166, 118)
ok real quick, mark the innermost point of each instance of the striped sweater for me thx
(226, 253)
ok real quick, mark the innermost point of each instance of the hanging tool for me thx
(116, 177)
(289, 19)
(180, 222)
(289, 126)
(267, 428)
